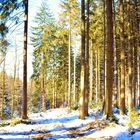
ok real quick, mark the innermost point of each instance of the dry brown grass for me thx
(41, 136)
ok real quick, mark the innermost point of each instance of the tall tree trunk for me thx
(3, 90)
(87, 61)
(104, 44)
(115, 61)
(130, 58)
(69, 73)
(74, 78)
(138, 75)
(82, 95)
(97, 75)
(122, 94)
(43, 93)
(13, 83)
(63, 87)
(109, 80)
(24, 97)
(91, 74)
(135, 74)
(138, 50)
(136, 40)
(53, 90)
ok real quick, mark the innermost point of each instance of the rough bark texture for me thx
(104, 43)
(122, 94)
(3, 90)
(109, 80)
(87, 62)
(115, 60)
(91, 74)
(82, 95)
(69, 69)
(24, 99)
(130, 63)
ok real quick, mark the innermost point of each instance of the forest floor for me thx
(60, 124)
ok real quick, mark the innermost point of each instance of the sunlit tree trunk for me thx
(130, 58)
(115, 61)
(63, 89)
(97, 75)
(138, 75)
(136, 46)
(122, 94)
(74, 78)
(53, 92)
(91, 74)
(13, 83)
(138, 50)
(69, 68)
(109, 80)
(104, 45)
(3, 90)
(24, 97)
(43, 93)
(82, 95)
(87, 61)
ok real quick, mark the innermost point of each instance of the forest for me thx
(85, 79)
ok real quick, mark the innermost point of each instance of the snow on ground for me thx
(60, 124)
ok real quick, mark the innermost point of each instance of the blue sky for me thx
(33, 8)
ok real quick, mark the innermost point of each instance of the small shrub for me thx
(74, 107)
(4, 123)
(133, 120)
(114, 119)
(20, 121)
(96, 105)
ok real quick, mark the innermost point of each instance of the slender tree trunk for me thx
(91, 73)
(138, 50)
(130, 58)
(69, 75)
(74, 78)
(13, 83)
(53, 103)
(136, 33)
(115, 61)
(87, 61)
(82, 95)
(24, 98)
(135, 75)
(138, 79)
(3, 90)
(97, 90)
(43, 93)
(104, 44)
(122, 95)
(56, 102)
(63, 87)
(109, 84)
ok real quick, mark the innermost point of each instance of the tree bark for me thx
(74, 78)
(13, 83)
(91, 73)
(122, 94)
(82, 95)
(24, 97)
(130, 59)
(69, 69)
(87, 61)
(104, 44)
(115, 61)
(3, 90)
(109, 80)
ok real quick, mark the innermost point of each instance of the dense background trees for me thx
(92, 42)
